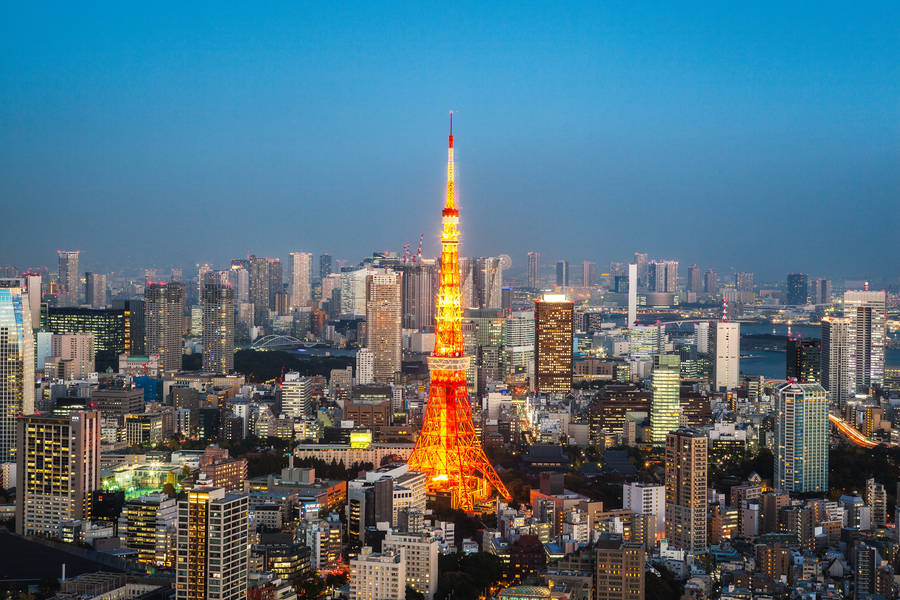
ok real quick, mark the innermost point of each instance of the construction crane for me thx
(406, 253)
(418, 257)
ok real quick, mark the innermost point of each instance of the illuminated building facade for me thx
(836, 360)
(164, 310)
(58, 466)
(109, 326)
(665, 407)
(727, 355)
(687, 463)
(801, 438)
(67, 280)
(448, 450)
(148, 524)
(534, 270)
(383, 321)
(803, 359)
(866, 311)
(218, 328)
(16, 363)
(619, 572)
(553, 323)
(797, 289)
(301, 278)
(213, 545)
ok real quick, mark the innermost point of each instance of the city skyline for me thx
(274, 134)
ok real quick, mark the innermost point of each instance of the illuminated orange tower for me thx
(448, 451)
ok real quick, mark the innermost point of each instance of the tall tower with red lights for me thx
(448, 451)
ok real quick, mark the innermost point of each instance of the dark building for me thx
(562, 273)
(325, 268)
(135, 330)
(803, 359)
(118, 402)
(797, 288)
(208, 420)
(612, 403)
(527, 558)
(107, 325)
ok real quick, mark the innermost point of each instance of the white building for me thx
(646, 499)
(365, 366)
(378, 576)
(353, 292)
(296, 394)
(301, 278)
(421, 551)
(866, 311)
(837, 360)
(727, 355)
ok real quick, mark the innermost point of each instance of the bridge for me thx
(278, 342)
(852, 434)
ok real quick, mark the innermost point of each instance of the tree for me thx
(412, 594)
(169, 490)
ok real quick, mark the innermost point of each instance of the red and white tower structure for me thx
(448, 451)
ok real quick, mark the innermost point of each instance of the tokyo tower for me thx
(448, 451)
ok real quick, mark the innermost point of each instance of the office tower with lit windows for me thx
(837, 372)
(645, 341)
(665, 407)
(588, 273)
(301, 278)
(383, 324)
(710, 282)
(619, 569)
(95, 289)
(483, 341)
(67, 280)
(562, 273)
(164, 314)
(663, 276)
(726, 355)
(553, 322)
(534, 270)
(147, 524)
(16, 363)
(867, 313)
(797, 289)
(213, 545)
(518, 346)
(695, 280)
(218, 328)
(58, 466)
(134, 324)
(687, 464)
(296, 395)
(378, 576)
(326, 267)
(801, 438)
(803, 361)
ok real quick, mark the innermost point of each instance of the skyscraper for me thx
(562, 273)
(365, 367)
(95, 289)
(16, 363)
(301, 278)
(710, 282)
(797, 289)
(325, 266)
(820, 292)
(640, 259)
(488, 282)
(58, 466)
(687, 464)
(33, 287)
(419, 283)
(744, 284)
(447, 450)
(213, 545)
(218, 328)
(727, 355)
(587, 273)
(665, 407)
(276, 280)
(148, 524)
(694, 282)
(67, 281)
(383, 324)
(801, 437)
(259, 289)
(803, 359)
(553, 322)
(296, 395)
(837, 374)
(663, 276)
(632, 294)
(867, 313)
(164, 314)
(534, 270)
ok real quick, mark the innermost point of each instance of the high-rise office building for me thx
(325, 266)
(218, 328)
(259, 288)
(665, 407)
(632, 294)
(820, 291)
(797, 289)
(111, 327)
(147, 524)
(71, 356)
(562, 273)
(296, 395)
(534, 270)
(301, 278)
(67, 281)
(663, 276)
(837, 372)
(33, 287)
(588, 270)
(727, 355)
(95, 289)
(710, 282)
(553, 322)
(276, 280)
(353, 291)
(876, 499)
(383, 324)
(646, 499)
(803, 359)
(213, 545)
(487, 280)
(743, 282)
(164, 315)
(687, 464)
(419, 293)
(619, 569)
(645, 341)
(801, 438)
(695, 279)
(58, 466)
(518, 345)
(640, 259)
(365, 366)
(867, 313)
(16, 363)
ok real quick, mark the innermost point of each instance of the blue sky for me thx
(758, 137)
